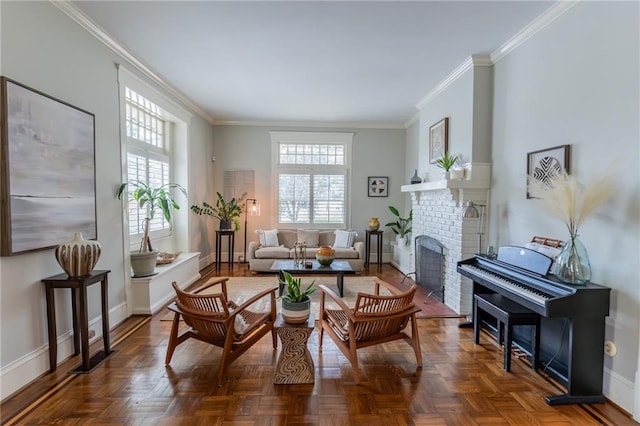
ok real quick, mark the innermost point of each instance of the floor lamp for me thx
(252, 209)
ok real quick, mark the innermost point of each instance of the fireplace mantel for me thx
(477, 176)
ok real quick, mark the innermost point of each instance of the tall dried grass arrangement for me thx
(569, 200)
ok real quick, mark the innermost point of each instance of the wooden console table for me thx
(78, 288)
(295, 364)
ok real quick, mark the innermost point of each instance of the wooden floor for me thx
(460, 384)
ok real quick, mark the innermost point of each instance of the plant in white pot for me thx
(296, 302)
(149, 198)
(447, 162)
(402, 226)
(227, 212)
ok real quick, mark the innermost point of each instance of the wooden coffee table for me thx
(337, 268)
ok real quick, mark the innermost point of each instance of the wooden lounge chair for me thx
(375, 319)
(212, 318)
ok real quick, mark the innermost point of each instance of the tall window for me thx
(148, 157)
(311, 172)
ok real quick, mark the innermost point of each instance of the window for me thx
(311, 174)
(148, 158)
(155, 140)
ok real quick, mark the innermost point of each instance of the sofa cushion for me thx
(344, 239)
(268, 238)
(309, 236)
(272, 253)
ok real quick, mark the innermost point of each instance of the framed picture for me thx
(542, 164)
(378, 186)
(438, 139)
(48, 170)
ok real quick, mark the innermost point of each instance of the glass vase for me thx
(572, 264)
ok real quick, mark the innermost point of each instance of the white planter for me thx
(144, 263)
(402, 241)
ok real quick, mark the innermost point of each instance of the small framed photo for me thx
(544, 163)
(378, 186)
(438, 139)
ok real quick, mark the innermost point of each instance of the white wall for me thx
(44, 49)
(376, 152)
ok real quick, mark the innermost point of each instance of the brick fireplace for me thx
(437, 213)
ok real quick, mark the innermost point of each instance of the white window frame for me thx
(178, 133)
(344, 138)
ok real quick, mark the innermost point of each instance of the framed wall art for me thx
(378, 186)
(544, 163)
(438, 139)
(48, 170)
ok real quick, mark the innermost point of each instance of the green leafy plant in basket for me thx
(294, 293)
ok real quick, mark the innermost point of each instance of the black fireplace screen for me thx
(429, 256)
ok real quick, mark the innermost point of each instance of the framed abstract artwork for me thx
(438, 139)
(48, 170)
(544, 163)
(378, 186)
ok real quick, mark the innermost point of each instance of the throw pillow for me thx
(344, 239)
(309, 236)
(268, 238)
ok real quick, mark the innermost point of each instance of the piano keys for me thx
(572, 323)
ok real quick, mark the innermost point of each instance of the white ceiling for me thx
(309, 61)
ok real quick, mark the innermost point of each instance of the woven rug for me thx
(240, 289)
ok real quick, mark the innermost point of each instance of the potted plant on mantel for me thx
(402, 226)
(143, 261)
(227, 212)
(447, 162)
(296, 303)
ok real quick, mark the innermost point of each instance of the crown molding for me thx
(412, 120)
(307, 124)
(532, 28)
(94, 29)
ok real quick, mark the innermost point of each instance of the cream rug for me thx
(240, 289)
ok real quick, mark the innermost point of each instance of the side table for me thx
(78, 286)
(378, 235)
(230, 234)
(295, 364)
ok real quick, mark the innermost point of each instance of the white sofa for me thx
(261, 257)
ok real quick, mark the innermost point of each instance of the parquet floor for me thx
(460, 384)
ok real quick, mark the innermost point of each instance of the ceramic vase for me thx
(296, 312)
(325, 255)
(415, 178)
(78, 256)
(572, 264)
(374, 224)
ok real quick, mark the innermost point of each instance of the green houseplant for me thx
(227, 212)
(296, 302)
(447, 162)
(146, 196)
(402, 226)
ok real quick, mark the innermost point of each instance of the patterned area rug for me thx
(242, 288)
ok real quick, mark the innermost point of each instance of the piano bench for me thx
(507, 314)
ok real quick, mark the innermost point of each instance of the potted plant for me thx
(227, 212)
(402, 226)
(143, 261)
(447, 162)
(296, 303)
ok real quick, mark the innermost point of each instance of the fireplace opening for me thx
(429, 259)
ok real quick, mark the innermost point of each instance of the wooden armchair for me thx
(375, 319)
(214, 319)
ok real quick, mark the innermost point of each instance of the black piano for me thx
(572, 317)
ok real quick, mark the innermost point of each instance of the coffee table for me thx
(337, 268)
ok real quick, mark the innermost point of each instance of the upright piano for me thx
(572, 317)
